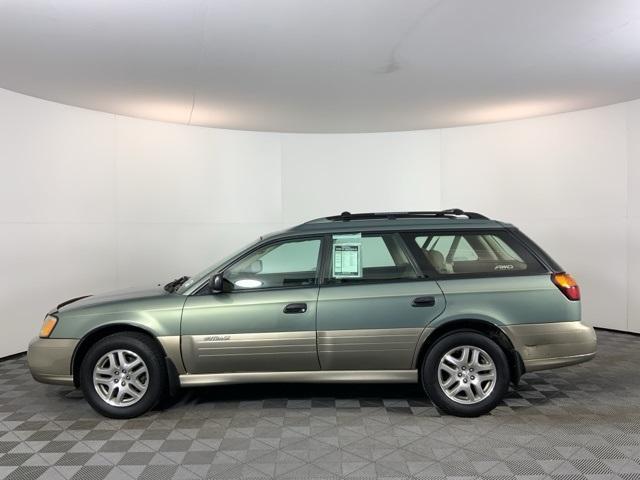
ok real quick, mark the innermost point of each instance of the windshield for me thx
(198, 277)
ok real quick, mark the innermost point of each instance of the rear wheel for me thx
(465, 374)
(123, 376)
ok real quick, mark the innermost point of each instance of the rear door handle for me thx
(424, 301)
(295, 308)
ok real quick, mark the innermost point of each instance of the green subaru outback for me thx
(451, 299)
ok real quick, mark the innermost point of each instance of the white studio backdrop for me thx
(92, 201)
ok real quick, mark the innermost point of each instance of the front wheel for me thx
(465, 374)
(123, 376)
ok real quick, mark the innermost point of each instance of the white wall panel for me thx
(562, 166)
(151, 253)
(180, 174)
(91, 202)
(56, 210)
(594, 252)
(633, 273)
(328, 174)
(563, 180)
(633, 239)
(57, 162)
(44, 264)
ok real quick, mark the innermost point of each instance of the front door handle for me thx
(424, 302)
(295, 308)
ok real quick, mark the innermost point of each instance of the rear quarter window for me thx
(473, 253)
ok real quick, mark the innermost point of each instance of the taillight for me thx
(567, 285)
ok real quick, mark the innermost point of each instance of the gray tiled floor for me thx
(579, 422)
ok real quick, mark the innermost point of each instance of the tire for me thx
(479, 394)
(118, 392)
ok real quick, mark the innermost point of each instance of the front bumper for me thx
(552, 345)
(49, 360)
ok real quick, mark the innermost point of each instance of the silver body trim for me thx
(315, 376)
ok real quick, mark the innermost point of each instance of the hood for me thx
(115, 296)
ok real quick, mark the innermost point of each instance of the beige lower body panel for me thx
(249, 352)
(316, 376)
(171, 346)
(49, 360)
(557, 362)
(367, 349)
(66, 380)
(552, 345)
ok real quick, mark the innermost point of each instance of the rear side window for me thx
(467, 253)
(368, 257)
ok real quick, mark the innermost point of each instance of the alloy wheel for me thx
(467, 374)
(121, 378)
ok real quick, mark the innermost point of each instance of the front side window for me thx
(474, 253)
(291, 263)
(358, 257)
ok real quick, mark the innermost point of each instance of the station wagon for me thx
(453, 300)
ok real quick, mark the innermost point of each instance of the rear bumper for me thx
(49, 360)
(552, 345)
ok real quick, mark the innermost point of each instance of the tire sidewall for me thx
(429, 373)
(149, 354)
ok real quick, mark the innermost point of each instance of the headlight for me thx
(48, 326)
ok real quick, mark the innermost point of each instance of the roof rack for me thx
(451, 213)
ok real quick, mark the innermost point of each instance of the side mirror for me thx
(216, 283)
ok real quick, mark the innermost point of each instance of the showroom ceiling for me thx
(323, 66)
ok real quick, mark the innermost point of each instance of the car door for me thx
(264, 320)
(487, 274)
(373, 304)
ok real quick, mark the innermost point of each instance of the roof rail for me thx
(451, 213)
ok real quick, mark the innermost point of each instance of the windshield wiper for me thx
(173, 285)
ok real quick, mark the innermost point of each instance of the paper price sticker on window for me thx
(347, 261)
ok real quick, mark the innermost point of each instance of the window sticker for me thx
(347, 261)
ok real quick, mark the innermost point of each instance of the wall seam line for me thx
(441, 163)
(281, 144)
(627, 222)
(116, 213)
